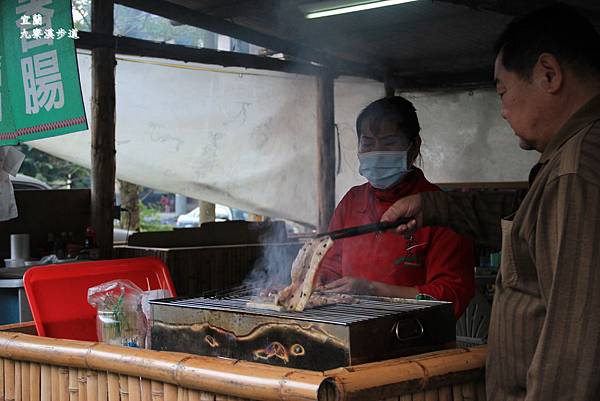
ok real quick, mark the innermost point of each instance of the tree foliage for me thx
(141, 25)
(150, 218)
(56, 172)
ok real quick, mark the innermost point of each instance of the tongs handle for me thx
(368, 228)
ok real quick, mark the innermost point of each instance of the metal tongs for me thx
(360, 230)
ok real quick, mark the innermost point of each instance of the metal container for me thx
(321, 338)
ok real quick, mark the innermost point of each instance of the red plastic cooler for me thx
(58, 293)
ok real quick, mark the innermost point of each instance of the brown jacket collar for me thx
(583, 117)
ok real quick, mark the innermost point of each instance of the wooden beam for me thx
(479, 78)
(591, 10)
(146, 48)
(103, 129)
(201, 20)
(325, 150)
(508, 7)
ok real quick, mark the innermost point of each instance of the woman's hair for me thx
(386, 108)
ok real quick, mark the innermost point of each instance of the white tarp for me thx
(246, 138)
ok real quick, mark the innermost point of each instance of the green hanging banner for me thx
(40, 94)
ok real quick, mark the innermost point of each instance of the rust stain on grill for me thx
(273, 343)
(297, 350)
(210, 340)
(313, 331)
(275, 349)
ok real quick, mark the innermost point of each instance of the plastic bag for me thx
(120, 319)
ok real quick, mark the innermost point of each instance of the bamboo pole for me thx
(133, 384)
(46, 383)
(170, 392)
(2, 390)
(410, 375)
(468, 391)
(18, 382)
(481, 395)
(445, 393)
(432, 395)
(181, 394)
(457, 393)
(73, 385)
(113, 387)
(204, 396)
(419, 396)
(157, 391)
(55, 384)
(102, 386)
(63, 380)
(405, 397)
(146, 390)
(25, 381)
(103, 129)
(92, 385)
(25, 328)
(82, 384)
(9, 379)
(193, 395)
(34, 381)
(325, 150)
(124, 387)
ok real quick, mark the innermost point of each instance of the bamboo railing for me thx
(450, 375)
(36, 368)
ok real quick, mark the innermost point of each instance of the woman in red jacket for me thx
(435, 261)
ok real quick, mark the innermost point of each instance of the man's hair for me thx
(390, 107)
(557, 29)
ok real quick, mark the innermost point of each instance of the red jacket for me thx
(440, 263)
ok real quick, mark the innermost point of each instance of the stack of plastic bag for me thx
(120, 319)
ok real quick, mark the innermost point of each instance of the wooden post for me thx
(207, 211)
(389, 84)
(325, 150)
(130, 200)
(390, 89)
(103, 129)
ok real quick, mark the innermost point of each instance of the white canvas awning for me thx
(247, 138)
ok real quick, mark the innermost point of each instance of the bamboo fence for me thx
(36, 368)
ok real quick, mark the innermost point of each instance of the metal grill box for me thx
(322, 338)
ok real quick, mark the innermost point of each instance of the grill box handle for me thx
(411, 326)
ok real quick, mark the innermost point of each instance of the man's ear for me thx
(548, 73)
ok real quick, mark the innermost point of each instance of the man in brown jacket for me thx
(544, 338)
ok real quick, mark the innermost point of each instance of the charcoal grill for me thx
(321, 338)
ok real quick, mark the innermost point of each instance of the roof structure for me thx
(421, 44)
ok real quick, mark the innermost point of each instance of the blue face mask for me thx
(383, 168)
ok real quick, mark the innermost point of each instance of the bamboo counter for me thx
(36, 368)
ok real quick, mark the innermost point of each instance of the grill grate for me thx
(233, 292)
(367, 308)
